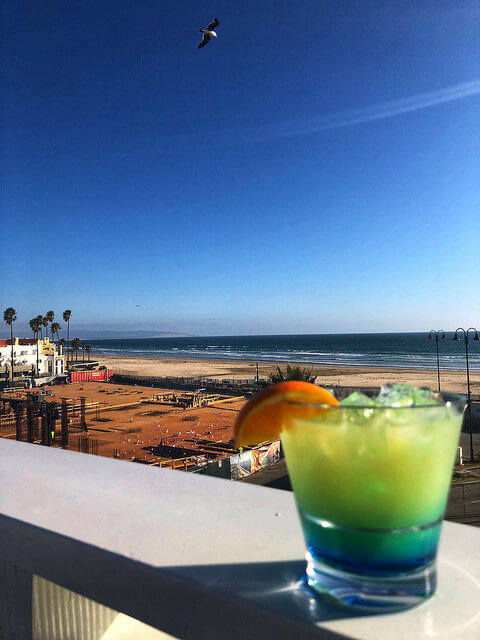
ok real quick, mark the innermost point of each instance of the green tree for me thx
(40, 323)
(76, 343)
(67, 314)
(51, 317)
(55, 329)
(35, 326)
(45, 322)
(291, 372)
(9, 316)
(88, 349)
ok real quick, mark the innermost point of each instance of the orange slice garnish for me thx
(268, 412)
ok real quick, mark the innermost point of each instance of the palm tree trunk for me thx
(11, 340)
(37, 354)
(68, 336)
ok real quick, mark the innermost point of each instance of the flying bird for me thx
(208, 33)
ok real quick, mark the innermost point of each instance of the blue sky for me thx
(314, 169)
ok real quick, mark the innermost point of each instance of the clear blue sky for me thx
(314, 169)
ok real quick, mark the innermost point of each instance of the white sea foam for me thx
(395, 351)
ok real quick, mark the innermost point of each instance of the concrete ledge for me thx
(197, 557)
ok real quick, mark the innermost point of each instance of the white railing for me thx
(194, 556)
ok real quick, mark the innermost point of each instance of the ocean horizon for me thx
(393, 350)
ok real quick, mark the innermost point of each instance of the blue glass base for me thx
(374, 593)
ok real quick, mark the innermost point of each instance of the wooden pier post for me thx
(64, 424)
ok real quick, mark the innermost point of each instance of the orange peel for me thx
(268, 412)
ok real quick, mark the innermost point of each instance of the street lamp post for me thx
(465, 337)
(435, 333)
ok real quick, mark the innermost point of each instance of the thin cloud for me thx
(252, 135)
(405, 105)
(367, 114)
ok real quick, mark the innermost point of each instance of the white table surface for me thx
(233, 542)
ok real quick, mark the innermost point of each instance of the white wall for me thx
(26, 356)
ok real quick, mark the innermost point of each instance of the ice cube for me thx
(403, 395)
(357, 399)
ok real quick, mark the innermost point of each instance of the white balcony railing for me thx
(194, 556)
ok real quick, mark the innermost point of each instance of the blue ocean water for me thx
(396, 350)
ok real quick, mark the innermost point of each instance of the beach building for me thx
(31, 357)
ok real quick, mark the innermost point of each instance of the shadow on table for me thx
(279, 586)
(177, 599)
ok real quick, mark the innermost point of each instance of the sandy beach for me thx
(331, 375)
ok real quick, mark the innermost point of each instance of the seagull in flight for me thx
(208, 33)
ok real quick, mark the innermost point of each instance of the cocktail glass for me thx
(371, 485)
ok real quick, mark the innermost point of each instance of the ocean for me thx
(397, 350)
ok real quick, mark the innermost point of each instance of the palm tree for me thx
(40, 322)
(51, 317)
(76, 346)
(9, 316)
(35, 326)
(88, 349)
(45, 322)
(55, 328)
(291, 372)
(67, 314)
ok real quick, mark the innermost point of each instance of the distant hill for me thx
(100, 334)
(105, 335)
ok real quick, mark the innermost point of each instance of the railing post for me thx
(64, 424)
(83, 422)
(29, 421)
(52, 419)
(18, 409)
(45, 434)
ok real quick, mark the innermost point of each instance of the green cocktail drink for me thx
(371, 481)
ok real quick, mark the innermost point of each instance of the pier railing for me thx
(235, 386)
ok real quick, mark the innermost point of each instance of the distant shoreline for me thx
(358, 375)
(389, 351)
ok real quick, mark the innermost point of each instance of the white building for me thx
(31, 356)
